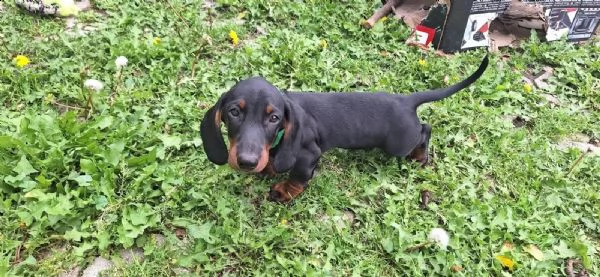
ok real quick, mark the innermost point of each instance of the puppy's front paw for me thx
(285, 191)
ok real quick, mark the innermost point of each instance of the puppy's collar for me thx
(278, 138)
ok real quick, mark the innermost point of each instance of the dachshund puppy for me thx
(272, 132)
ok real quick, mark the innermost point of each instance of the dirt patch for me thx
(78, 29)
(581, 142)
(132, 255)
(159, 239)
(518, 121)
(551, 99)
(71, 273)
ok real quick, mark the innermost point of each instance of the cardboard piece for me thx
(457, 25)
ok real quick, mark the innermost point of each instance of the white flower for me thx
(439, 236)
(93, 84)
(121, 62)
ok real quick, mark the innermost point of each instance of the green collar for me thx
(278, 138)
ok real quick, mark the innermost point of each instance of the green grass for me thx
(74, 187)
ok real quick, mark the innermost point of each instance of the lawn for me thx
(77, 183)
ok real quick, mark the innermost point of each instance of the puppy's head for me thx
(254, 112)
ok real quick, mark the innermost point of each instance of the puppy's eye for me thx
(234, 112)
(274, 118)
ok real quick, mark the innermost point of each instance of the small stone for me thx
(260, 30)
(132, 255)
(348, 216)
(541, 84)
(98, 265)
(582, 146)
(581, 142)
(181, 271)
(159, 239)
(70, 23)
(551, 99)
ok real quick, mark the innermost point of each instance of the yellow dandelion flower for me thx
(383, 19)
(21, 61)
(527, 87)
(422, 62)
(235, 40)
(284, 222)
(506, 262)
(323, 43)
(156, 41)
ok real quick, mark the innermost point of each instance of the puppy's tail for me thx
(419, 98)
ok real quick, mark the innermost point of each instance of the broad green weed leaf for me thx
(564, 251)
(104, 123)
(138, 218)
(43, 181)
(100, 202)
(40, 195)
(145, 159)
(62, 207)
(388, 245)
(86, 246)
(554, 200)
(82, 180)
(283, 262)
(8, 141)
(134, 221)
(194, 230)
(87, 166)
(193, 259)
(25, 217)
(30, 260)
(201, 231)
(103, 239)
(114, 154)
(24, 168)
(171, 141)
(75, 235)
(582, 250)
(13, 179)
(21, 182)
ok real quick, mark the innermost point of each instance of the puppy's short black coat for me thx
(273, 132)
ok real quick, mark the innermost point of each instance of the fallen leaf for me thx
(506, 262)
(425, 198)
(534, 251)
(180, 233)
(507, 246)
(456, 268)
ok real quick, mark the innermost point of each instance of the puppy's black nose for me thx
(247, 161)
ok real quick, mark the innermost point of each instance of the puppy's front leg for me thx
(301, 173)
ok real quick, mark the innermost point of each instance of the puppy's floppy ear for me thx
(290, 144)
(212, 139)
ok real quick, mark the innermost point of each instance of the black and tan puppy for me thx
(273, 132)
